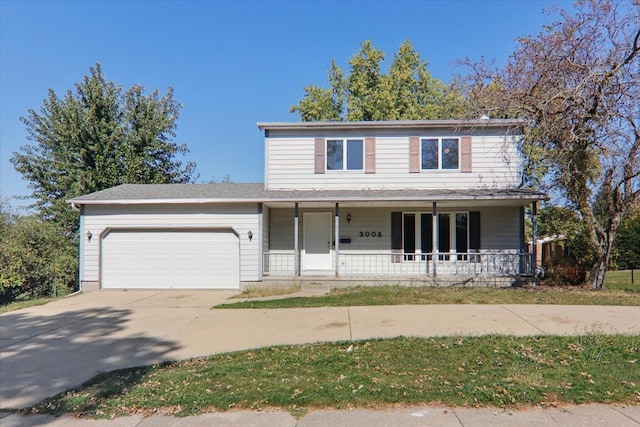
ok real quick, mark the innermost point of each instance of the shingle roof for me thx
(255, 192)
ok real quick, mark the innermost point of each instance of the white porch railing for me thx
(411, 264)
(280, 262)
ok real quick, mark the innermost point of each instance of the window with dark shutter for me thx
(474, 230)
(474, 235)
(396, 236)
(426, 234)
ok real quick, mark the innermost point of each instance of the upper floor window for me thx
(345, 154)
(440, 153)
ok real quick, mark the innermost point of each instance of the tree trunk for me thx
(599, 269)
(597, 273)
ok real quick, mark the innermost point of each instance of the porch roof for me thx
(256, 193)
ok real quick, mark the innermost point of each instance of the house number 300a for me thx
(370, 234)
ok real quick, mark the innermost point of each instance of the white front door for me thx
(317, 240)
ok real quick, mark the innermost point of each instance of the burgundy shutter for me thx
(319, 155)
(465, 151)
(414, 154)
(370, 155)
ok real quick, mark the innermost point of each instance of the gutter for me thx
(399, 124)
(306, 199)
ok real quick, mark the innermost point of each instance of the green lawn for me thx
(621, 280)
(491, 370)
(24, 304)
(394, 295)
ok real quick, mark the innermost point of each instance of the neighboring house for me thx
(343, 202)
(550, 249)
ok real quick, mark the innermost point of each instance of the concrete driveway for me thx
(48, 349)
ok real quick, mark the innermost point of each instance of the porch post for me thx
(534, 243)
(337, 239)
(260, 242)
(434, 218)
(296, 249)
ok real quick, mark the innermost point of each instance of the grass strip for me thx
(497, 371)
(400, 295)
(26, 303)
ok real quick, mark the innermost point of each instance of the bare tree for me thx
(577, 82)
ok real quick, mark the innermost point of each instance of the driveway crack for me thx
(525, 320)
(349, 318)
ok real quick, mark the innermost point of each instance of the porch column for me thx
(260, 242)
(434, 218)
(534, 238)
(296, 249)
(337, 239)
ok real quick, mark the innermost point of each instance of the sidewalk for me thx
(48, 349)
(568, 416)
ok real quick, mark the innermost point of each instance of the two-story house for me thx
(343, 202)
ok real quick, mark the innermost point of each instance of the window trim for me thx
(345, 160)
(439, 142)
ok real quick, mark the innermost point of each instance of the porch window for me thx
(345, 154)
(440, 153)
(459, 232)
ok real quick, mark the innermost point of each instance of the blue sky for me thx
(231, 64)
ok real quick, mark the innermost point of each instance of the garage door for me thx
(186, 259)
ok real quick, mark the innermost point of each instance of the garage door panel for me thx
(199, 259)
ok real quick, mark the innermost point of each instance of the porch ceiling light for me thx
(349, 217)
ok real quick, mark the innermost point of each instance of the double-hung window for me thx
(345, 154)
(440, 153)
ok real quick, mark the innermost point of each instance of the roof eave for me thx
(527, 197)
(406, 124)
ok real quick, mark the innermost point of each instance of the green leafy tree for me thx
(565, 222)
(627, 247)
(577, 84)
(406, 92)
(36, 258)
(95, 137)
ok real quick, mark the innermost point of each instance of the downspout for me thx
(534, 226)
(434, 219)
(260, 242)
(79, 209)
(296, 249)
(337, 240)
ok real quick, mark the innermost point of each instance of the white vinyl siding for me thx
(369, 232)
(499, 227)
(290, 165)
(98, 219)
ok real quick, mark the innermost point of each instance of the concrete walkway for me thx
(51, 348)
(569, 416)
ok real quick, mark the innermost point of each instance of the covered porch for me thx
(386, 236)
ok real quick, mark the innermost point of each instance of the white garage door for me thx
(187, 259)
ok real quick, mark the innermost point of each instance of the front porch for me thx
(409, 269)
(474, 239)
